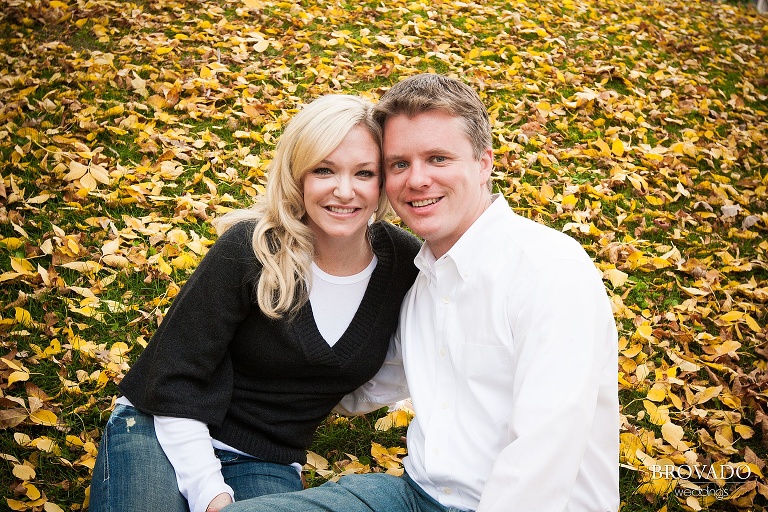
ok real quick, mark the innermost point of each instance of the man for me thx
(507, 337)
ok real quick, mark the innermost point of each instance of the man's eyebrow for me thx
(392, 158)
(431, 151)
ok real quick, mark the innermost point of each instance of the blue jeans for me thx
(373, 492)
(132, 472)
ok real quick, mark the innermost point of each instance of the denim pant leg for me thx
(353, 493)
(132, 473)
(250, 477)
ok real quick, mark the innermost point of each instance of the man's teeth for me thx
(424, 202)
(335, 209)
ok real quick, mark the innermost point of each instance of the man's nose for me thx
(418, 175)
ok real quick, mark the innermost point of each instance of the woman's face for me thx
(342, 192)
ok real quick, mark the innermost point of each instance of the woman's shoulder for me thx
(403, 240)
(235, 242)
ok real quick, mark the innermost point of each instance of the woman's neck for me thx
(343, 258)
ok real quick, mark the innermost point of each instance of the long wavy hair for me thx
(282, 242)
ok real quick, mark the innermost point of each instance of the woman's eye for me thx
(366, 174)
(322, 171)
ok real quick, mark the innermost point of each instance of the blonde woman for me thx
(291, 309)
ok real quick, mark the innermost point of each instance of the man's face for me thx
(432, 178)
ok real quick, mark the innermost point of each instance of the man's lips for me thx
(424, 202)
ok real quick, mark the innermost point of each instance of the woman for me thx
(291, 309)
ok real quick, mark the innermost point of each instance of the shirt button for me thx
(447, 490)
(436, 451)
(444, 405)
(446, 300)
(443, 352)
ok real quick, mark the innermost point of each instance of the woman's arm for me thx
(187, 444)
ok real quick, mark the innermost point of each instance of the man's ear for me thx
(486, 165)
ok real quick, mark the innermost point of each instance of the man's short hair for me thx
(425, 92)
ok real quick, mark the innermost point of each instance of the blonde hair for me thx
(282, 242)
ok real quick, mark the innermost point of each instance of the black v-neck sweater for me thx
(263, 386)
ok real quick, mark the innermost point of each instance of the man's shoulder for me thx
(538, 243)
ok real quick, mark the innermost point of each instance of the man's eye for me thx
(399, 165)
(439, 159)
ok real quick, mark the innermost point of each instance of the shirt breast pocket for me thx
(489, 378)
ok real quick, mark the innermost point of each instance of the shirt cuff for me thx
(210, 491)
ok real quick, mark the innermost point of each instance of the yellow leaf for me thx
(654, 201)
(752, 324)
(11, 243)
(163, 50)
(115, 111)
(23, 317)
(33, 492)
(732, 316)
(52, 507)
(657, 393)
(316, 461)
(39, 199)
(44, 417)
(16, 505)
(17, 377)
(693, 502)
(57, 4)
(99, 174)
(616, 277)
(74, 440)
(76, 171)
(398, 418)
(645, 331)
(163, 266)
(617, 148)
(115, 260)
(84, 267)
(205, 72)
(183, 260)
(46, 444)
(544, 108)
(21, 438)
(117, 352)
(707, 394)
(604, 149)
(23, 472)
(22, 266)
(88, 182)
(673, 434)
(657, 487)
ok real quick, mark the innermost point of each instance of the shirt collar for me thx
(464, 252)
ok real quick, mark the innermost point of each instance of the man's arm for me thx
(565, 374)
(385, 388)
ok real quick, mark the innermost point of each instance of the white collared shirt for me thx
(510, 352)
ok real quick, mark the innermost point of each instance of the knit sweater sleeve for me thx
(185, 370)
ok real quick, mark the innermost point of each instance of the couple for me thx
(505, 340)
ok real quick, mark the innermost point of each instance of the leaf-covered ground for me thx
(637, 127)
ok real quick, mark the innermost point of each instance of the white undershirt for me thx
(188, 444)
(335, 299)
